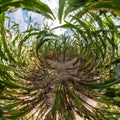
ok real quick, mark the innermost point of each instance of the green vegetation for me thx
(61, 77)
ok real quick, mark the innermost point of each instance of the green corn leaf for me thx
(74, 5)
(21, 44)
(7, 68)
(61, 9)
(8, 107)
(2, 55)
(57, 101)
(10, 84)
(42, 38)
(3, 40)
(32, 5)
(103, 85)
(86, 27)
(98, 19)
(109, 5)
(75, 27)
(17, 113)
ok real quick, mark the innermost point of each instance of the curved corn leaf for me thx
(32, 5)
(7, 68)
(103, 85)
(42, 38)
(82, 7)
(24, 40)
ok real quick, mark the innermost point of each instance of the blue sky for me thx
(22, 17)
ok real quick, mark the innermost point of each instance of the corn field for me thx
(47, 76)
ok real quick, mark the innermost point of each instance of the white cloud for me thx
(18, 18)
(21, 18)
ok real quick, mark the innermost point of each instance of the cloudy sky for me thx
(22, 17)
